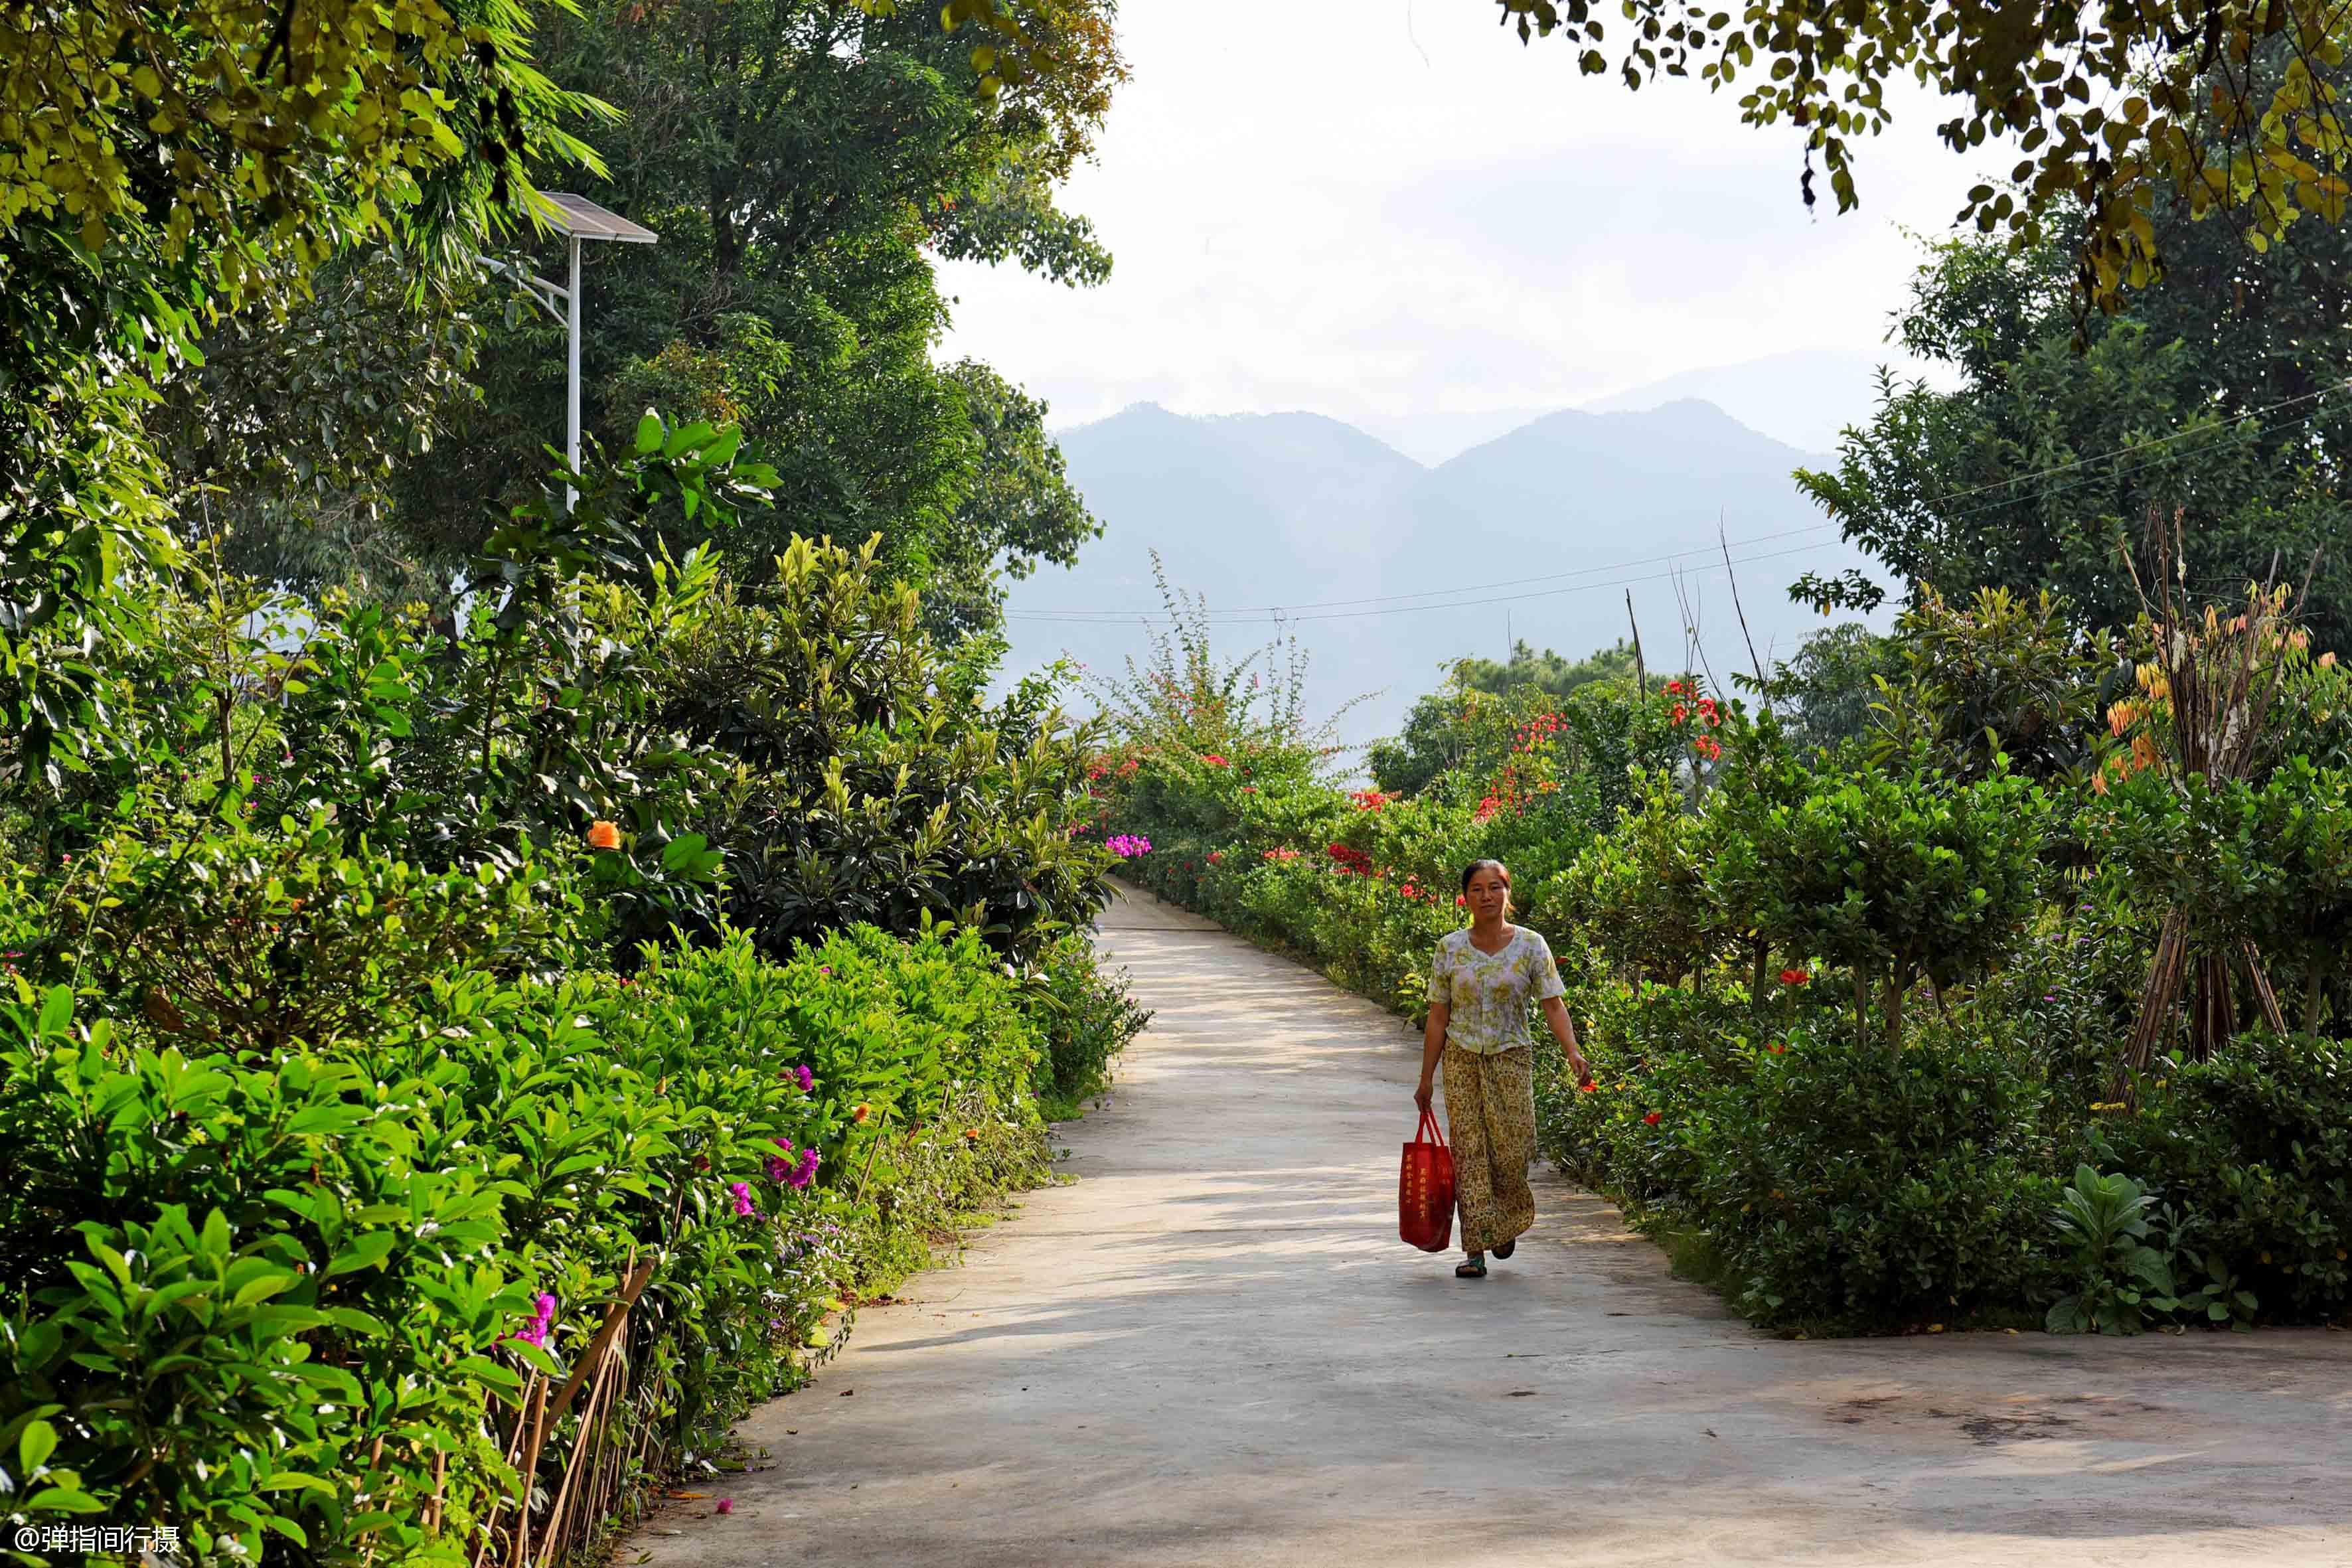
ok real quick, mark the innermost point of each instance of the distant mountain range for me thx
(1385, 568)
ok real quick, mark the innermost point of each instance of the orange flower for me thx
(972, 1134)
(860, 1113)
(604, 835)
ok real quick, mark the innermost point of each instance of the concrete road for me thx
(1213, 1350)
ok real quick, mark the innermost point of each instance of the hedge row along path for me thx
(1213, 1350)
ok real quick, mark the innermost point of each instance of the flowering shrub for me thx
(402, 1221)
(1880, 1138)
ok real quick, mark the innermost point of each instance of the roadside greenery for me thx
(1858, 973)
(497, 964)
(389, 997)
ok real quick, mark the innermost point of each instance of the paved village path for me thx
(1210, 1348)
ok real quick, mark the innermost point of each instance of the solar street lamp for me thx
(578, 219)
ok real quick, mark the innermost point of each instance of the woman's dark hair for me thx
(1475, 867)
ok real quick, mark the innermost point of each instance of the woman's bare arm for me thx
(1563, 1030)
(1433, 1046)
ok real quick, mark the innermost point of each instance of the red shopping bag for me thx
(1426, 1189)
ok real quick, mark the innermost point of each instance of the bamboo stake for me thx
(2272, 1013)
(1757, 664)
(614, 1315)
(1641, 673)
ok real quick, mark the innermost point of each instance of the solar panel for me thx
(571, 214)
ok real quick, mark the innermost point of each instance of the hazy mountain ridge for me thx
(1302, 511)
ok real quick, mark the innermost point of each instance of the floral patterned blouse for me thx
(1489, 992)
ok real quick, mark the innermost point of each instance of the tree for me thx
(2219, 392)
(163, 167)
(1548, 671)
(2123, 112)
(1824, 694)
(804, 162)
(1891, 873)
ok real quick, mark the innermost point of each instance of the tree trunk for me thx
(2315, 993)
(1756, 976)
(1896, 990)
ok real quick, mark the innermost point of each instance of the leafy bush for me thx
(282, 1294)
(1837, 1183)
(2255, 1147)
(1087, 1018)
(869, 784)
(2122, 1269)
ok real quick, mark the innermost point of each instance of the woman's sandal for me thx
(1507, 1247)
(1470, 1268)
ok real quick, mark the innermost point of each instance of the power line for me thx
(2144, 446)
(1283, 616)
(1345, 609)
(1262, 611)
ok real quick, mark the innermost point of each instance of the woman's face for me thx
(1488, 894)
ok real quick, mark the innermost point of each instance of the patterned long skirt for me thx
(1490, 1116)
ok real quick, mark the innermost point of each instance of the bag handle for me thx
(1429, 1132)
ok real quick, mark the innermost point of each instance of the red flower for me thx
(1680, 713)
(1674, 686)
(1794, 977)
(1588, 1086)
(1779, 1049)
(1459, 900)
(1214, 761)
(1652, 1119)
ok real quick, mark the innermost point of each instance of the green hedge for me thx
(275, 1300)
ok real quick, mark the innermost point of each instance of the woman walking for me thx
(1479, 988)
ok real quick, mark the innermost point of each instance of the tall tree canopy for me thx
(162, 166)
(805, 163)
(2220, 393)
(2120, 111)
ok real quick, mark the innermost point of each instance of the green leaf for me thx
(368, 1252)
(34, 1448)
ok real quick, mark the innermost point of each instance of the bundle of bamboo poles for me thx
(2216, 681)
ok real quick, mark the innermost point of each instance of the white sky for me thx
(1390, 211)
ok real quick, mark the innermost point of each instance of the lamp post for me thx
(578, 219)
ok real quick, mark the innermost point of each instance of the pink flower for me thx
(727, 1505)
(536, 1331)
(743, 1203)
